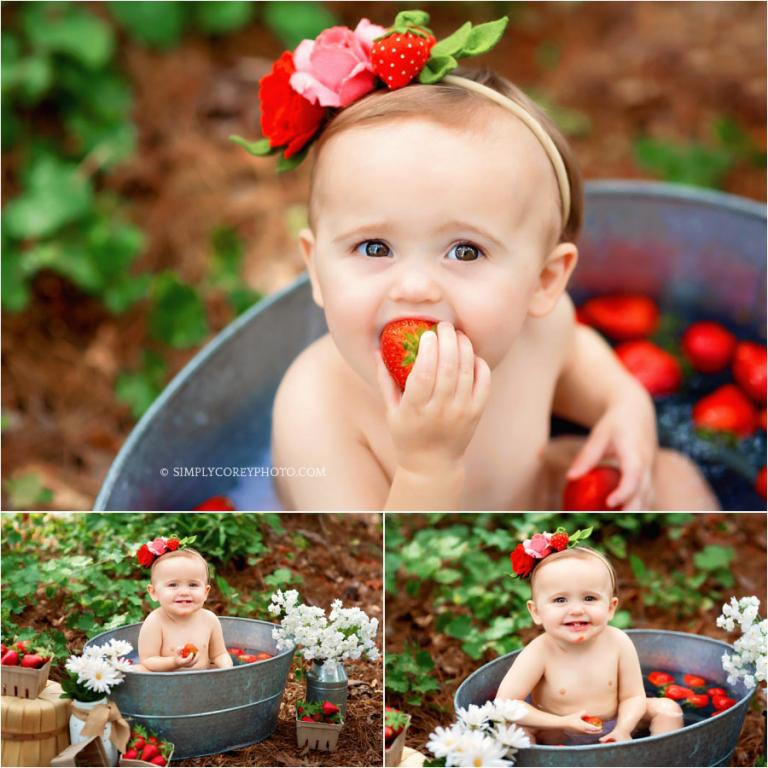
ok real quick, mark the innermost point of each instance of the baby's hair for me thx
(186, 552)
(453, 106)
(582, 553)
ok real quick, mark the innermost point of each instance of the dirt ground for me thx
(410, 620)
(344, 561)
(662, 69)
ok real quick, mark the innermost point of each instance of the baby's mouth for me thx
(577, 626)
(183, 602)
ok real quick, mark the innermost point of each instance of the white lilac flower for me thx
(476, 749)
(512, 736)
(507, 711)
(443, 741)
(749, 661)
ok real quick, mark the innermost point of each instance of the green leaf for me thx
(156, 24)
(638, 567)
(178, 316)
(139, 389)
(55, 194)
(621, 620)
(714, 557)
(483, 37)
(279, 577)
(437, 68)
(28, 79)
(15, 294)
(293, 22)
(242, 299)
(27, 492)
(71, 31)
(414, 18)
(259, 148)
(217, 17)
(460, 627)
(289, 163)
(451, 45)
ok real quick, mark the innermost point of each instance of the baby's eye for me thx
(373, 248)
(464, 252)
(590, 597)
(559, 600)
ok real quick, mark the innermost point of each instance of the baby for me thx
(179, 583)
(439, 202)
(580, 666)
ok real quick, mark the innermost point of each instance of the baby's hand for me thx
(575, 722)
(615, 735)
(626, 431)
(183, 659)
(434, 419)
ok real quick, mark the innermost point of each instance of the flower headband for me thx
(525, 556)
(341, 66)
(149, 552)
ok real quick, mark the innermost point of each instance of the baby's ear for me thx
(612, 607)
(151, 591)
(534, 613)
(553, 278)
(307, 243)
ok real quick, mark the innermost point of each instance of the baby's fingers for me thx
(482, 388)
(589, 456)
(421, 380)
(388, 386)
(629, 485)
(447, 362)
(466, 378)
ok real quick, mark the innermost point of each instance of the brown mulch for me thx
(343, 560)
(410, 620)
(662, 69)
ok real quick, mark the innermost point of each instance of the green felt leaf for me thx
(289, 163)
(411, 18)
(483, 37)
(260, 148)
(437, 68)
(452, 44)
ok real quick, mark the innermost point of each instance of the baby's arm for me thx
(632, 699)
(595, 390)
(150, 646)
(522, 677)
(218, 650)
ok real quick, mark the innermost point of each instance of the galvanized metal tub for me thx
(208, 711)
(680, 244)
(710, 742)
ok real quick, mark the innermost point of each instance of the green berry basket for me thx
(24, 682)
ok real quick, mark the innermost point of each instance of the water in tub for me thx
(729, 464)
(240, 656)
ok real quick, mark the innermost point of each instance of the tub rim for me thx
(139, 675)
(599, 188)
(646, 739)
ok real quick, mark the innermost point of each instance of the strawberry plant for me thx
(408, 674)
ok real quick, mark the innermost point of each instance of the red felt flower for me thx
(287, 118)
(522, 562)
(144, 556)
(172, 544)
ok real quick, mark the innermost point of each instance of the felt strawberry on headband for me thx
(526, 555)
(149, 552)
(341, 66)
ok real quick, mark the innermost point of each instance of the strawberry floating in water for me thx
(708, 346)
(722, 702)
(399, 344)
(678, 692)
(698, 700)
(216, 504)
(591, 490)
(661, 678)
(694, 681)
(749, 369)
(657, 370)
(621, 317)
(726, 409)
(235, 651)
(247, 658)
(716, 692)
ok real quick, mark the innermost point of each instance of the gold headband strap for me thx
(544, 138)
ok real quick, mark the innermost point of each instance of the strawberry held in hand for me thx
(591, 491)
(188, 650)
(657, 370)
(593, 720)
(399, 344)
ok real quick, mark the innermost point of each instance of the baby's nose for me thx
(417, 285)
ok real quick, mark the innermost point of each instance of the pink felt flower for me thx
(538, 545)
(157, 546)
(334, 70)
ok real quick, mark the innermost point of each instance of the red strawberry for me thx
(130, 754)
(263, 656)
(708, 346)
(149, 751)
(399, 345)
(749, 369)
(329, 708)
(3, 649)
(622, 316)
(660, 678)
(32, 660)
(216, 504)
(307, 719)
(657, 370)
(159, 760)
(726, 410)
(716, 692)
(235, 651)
(10, 659)
(399, 57)
(187, 650)
(389, 734)
(246, 658)
(698, 700)
(593, 720)
(153, 740)
(762, 419)
(677, 692)
(139, 743)
(694, 681)
(559, 541)
(590, 491)
(722, 702)
(22, 646)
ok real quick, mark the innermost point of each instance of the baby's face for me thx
(413, 219)
(572, 599)
(179, 585)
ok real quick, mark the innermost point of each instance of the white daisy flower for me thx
(512, 737)
(443, 741)
(476, 749)
(507, 711)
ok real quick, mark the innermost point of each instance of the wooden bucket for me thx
(34, 731)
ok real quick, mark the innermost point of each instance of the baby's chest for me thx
(594, 677)
(177, 637)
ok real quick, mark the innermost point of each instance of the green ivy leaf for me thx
(178, 316)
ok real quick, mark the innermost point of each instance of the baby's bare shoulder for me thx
(154, 619)
(619, 639)
(209, 617)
